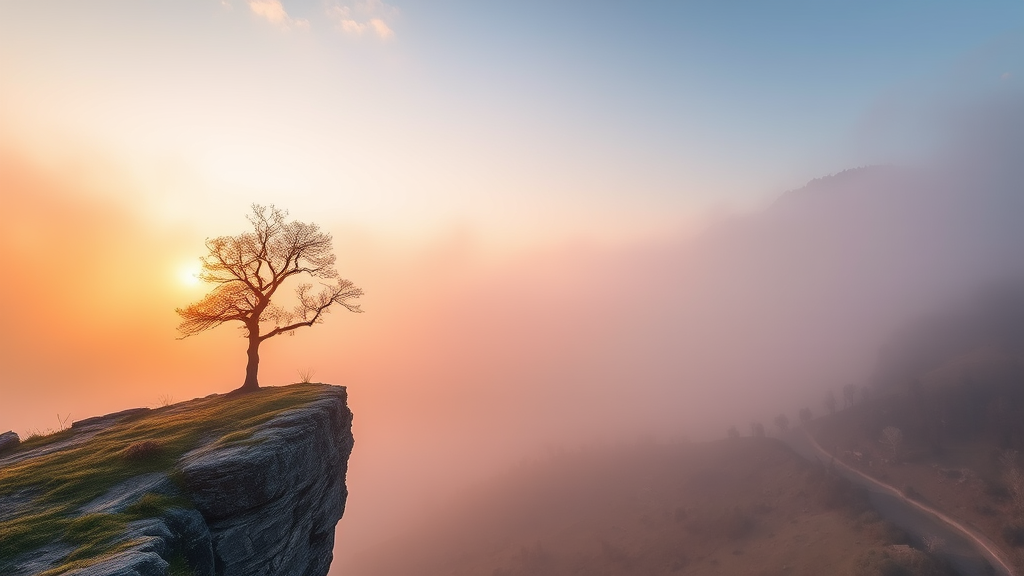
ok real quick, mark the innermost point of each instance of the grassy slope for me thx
(953, 440)
(64, 480)
(740, 506)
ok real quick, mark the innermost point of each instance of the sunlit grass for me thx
(65, 480)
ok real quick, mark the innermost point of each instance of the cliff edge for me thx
(228, 485)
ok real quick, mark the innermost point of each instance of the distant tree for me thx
(850, 395)
(782, 422)
(249, 269)
(892, 438)
(733, 432)
(805, 416)
(830, 402)
(934, 544)
(757, 430)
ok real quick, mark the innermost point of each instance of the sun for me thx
(188, 274)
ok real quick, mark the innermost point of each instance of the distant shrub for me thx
(142, 451)
(934, 544)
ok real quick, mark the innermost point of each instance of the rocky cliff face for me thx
(263, 502)
(271, 506)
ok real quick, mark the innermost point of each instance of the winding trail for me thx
(916, 517)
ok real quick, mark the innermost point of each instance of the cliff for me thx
(229, 485)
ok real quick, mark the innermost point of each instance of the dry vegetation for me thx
(737, 506)
(963, 433)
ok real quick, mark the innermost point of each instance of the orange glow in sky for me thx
(565, 217)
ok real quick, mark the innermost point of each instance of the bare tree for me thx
(830, 402)
(892, 438)
(782, 422)
(248, 270)
(805, 416)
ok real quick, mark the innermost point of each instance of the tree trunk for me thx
(253, 365)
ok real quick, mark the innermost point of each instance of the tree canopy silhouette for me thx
(248, 270)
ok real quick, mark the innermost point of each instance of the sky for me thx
(526, 123)
(527, 194)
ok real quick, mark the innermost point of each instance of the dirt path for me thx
(899, 509)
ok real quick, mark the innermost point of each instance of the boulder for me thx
(9, 441)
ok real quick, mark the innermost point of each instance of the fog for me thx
(756, 316)
(466, 362)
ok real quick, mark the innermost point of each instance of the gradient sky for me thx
(506, 182)
(523, 122)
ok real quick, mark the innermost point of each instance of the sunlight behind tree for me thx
(248, 270)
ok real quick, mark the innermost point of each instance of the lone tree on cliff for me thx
(248, 270)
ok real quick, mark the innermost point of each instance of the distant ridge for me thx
(844, 181)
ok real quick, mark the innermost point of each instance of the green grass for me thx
(67, 479)
(37, 440)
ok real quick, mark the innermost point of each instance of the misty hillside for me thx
(806, 291)
(757, 316)
(993, 317)
(738, 506)
(952, 387)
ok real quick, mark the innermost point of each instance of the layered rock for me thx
(272, 502)
(265, 503)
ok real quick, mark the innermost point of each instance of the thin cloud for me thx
(358, 18)
(381, 28)
(272, 11)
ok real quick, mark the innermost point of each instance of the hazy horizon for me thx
(573, 224)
